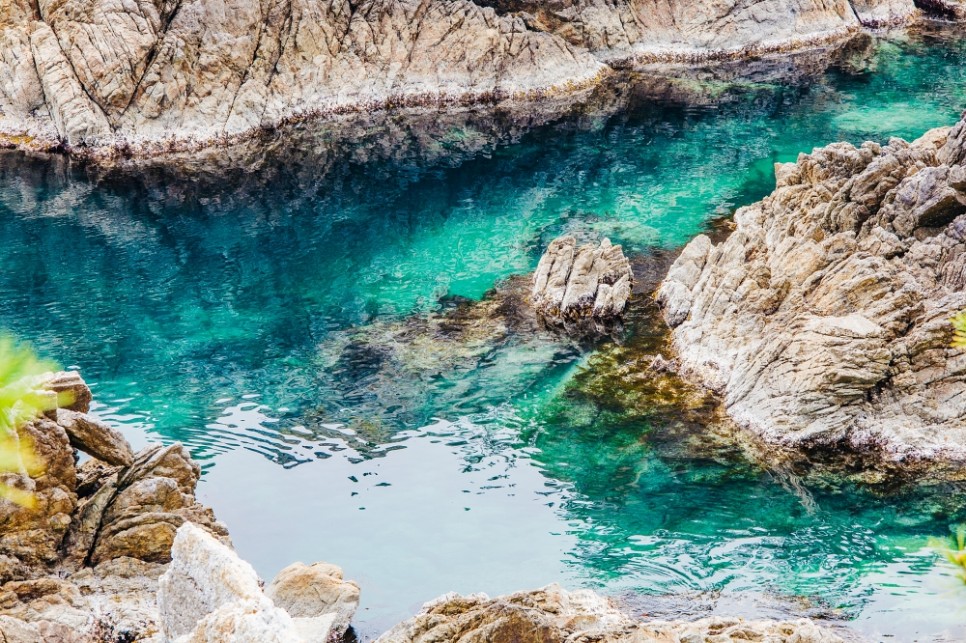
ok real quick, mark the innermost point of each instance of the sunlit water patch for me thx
(317, 329)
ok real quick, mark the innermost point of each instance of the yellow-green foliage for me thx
(20, 402)
(954, 549)
(959, 330)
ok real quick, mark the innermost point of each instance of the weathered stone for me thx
(315, 595)
(824, 317)
(209, 594)
(32, 534)
(144, 75)
(73, 392)
(551, 615)
(588, 282)
(95, 438)
(153, 498)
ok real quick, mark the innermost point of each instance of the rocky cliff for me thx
(110, 76)
(824, 318)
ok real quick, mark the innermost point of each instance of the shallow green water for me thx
(247, 317)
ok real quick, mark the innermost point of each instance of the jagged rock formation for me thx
(209, 594)
(573, 284)
(104, 76)
(83, 562)
(552, 614)
(824, 319)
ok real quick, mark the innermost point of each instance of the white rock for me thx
(208, 593)
(824, 317)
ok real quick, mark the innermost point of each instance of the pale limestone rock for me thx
(552, 614)
(316, 596)
(208, 594)
(588, 282)
(824, 318)
(138, 76)
(79, 121)
(884, 13)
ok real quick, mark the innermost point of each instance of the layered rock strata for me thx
(824, 318)
(103, 77)
(83, 561)
(552, 614)
(574, 283)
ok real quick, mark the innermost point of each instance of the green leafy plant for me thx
(954, 548)
(959, 330)
(21, 400)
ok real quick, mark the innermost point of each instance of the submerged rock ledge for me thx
(101, 78)
(824, 319)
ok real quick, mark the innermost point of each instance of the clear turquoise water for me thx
(225, 313)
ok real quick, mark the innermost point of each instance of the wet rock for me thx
(577, 283)
(823, 319)
(551, 614)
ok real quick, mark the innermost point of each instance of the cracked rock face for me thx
(83, 564)
(824, 319)
(552, 614)
(141, 76)
(574, 283)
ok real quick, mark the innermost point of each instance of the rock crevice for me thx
(824, 319)
(101, 76)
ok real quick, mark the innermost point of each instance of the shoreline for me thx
(37, 136)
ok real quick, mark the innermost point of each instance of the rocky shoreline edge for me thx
(105, 83)
(118, 549)
(824, 320)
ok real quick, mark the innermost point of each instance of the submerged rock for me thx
(579, 283)
(552, 614)
(824, 319)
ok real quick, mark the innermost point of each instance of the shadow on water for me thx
(347, 297)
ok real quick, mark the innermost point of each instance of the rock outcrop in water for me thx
(83, 562)
(824, 319)
(105, 77)
(552, 614)
(574, 283)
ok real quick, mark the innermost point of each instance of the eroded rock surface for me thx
(551, 615)
(209, 594)
(163, 74)
(824, 319)
(83, 563)
(574, 283)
